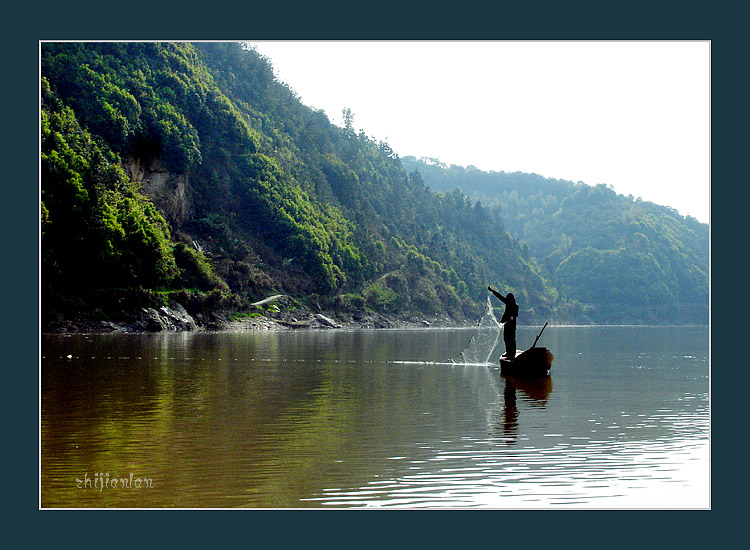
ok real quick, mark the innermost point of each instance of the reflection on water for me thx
(536, 393)
(374, 418)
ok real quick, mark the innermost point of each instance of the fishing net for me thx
(484, 340)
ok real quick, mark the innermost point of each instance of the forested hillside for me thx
(627, 260)
(187, 173)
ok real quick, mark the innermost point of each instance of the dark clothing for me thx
(509, 322)
(509, 337)
(511, 307)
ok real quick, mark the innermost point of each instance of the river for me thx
(374, 418)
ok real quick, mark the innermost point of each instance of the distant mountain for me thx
(626, 260)
(177, 172)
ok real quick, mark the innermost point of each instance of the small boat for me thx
(533, 363)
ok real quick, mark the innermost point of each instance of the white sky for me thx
(634, 115)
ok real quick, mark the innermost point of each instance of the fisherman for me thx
(509, 322)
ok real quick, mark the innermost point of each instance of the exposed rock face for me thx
(269, 300)
(326, 321)
(167, 319)
(168, 191)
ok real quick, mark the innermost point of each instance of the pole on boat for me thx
(538, 335)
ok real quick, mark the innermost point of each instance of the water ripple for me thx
(641, 475)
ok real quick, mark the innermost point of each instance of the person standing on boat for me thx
(509, 321)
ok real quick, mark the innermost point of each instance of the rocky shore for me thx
(278, 312)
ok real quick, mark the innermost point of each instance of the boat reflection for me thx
(535, 392)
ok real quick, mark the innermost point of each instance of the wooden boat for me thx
(533, 363)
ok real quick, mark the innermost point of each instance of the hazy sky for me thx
(634, 115)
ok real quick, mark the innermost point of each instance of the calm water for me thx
(374, 419)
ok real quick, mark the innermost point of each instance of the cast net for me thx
(484, 340)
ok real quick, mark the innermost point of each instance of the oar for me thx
(538, 335)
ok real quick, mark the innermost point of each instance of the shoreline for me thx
(270, 324)
(151, 321)
(275, 314)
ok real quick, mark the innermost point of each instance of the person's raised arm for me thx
(496, 293)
